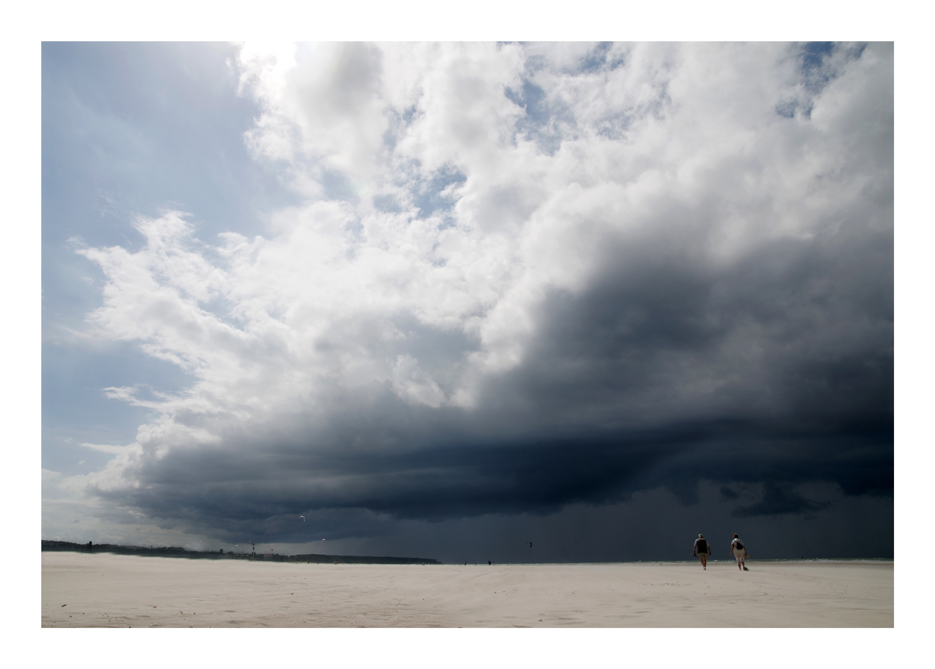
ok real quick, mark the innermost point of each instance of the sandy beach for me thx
(107, 590)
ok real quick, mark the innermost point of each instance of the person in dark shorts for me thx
(739, 551)
(701, 550)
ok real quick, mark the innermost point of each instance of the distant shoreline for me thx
(179, 552)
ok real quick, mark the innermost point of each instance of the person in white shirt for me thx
(739, 551)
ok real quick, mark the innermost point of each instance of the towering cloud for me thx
(523, 277)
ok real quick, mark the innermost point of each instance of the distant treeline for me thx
(177, 551)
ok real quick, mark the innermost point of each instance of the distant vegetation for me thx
(176, 551)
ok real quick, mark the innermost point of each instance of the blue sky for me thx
(443, 299)
(127, 129)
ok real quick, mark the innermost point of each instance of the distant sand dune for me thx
(104, 590)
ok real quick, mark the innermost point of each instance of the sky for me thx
(448, 300)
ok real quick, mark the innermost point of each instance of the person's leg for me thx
(704, 560)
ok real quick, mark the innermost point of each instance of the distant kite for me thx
(303, 518)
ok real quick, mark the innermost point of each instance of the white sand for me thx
(103, 590)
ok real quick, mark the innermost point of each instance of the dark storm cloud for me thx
(779, 500)
(343, 484)
(610, 400)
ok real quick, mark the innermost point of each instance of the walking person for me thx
(701, 550)
(739, 551)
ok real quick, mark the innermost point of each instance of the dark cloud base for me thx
(210, 491)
